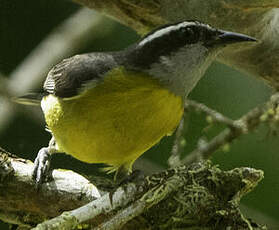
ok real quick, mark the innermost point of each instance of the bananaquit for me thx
(111, 107)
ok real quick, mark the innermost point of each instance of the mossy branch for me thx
(21, 203)
(199, 196)
(197, 193)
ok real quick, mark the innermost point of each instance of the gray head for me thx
(178, 54)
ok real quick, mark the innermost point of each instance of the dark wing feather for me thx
(68, 78)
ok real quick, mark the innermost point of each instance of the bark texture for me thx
(198, 196)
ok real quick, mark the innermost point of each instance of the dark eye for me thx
(187, 32)
(190, 34)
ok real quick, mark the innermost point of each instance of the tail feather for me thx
(29, 99)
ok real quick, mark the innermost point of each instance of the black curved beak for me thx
(223, 38)
(226, 37)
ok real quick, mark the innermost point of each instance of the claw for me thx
(136, 175)
(41, 171)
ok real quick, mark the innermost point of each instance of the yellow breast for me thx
(114, 122)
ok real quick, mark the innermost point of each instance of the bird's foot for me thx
(41, 172)
(135, 176)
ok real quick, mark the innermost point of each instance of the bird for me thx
(111, 107)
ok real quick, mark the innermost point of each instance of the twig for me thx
(246, 124)
(123, 216)
(174, 159)
(102, 205)
(214, 115)
(179, 143)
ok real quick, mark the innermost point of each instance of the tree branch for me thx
(198, 196)
(246, 124)
(258, 18)
(21, 203)
(200, 193)
(213, 116)
(178, 144)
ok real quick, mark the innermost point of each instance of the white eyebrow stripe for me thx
(160, 32)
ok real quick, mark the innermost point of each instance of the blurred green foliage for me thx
(23, 24)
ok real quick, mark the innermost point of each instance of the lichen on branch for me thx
(196, 196)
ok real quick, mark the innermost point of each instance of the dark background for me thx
(24, 24)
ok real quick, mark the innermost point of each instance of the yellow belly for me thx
(115, 122)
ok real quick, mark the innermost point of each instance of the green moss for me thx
(203, 197)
